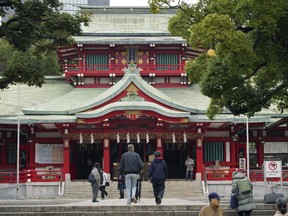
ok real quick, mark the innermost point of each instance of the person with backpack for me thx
(243, 188)
(281, 205)
(158, 175)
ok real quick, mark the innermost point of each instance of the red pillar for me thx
(106, 155)
(260, 153)
(159, 146)
(199, 157)
(233, 154)
(66, 160)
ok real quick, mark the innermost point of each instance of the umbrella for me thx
(138, 187)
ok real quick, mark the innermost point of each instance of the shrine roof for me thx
(58, 95)
(127, 20)
(80, 100)
(132, 105)
(128, 40)
(126, 25)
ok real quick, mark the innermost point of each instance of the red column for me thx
(233, 154)
(31, 154)
(199, 157)
(159, 146)
(66, 160)
(106, 155)
(260, 153)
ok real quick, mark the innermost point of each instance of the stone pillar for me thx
(199, 158)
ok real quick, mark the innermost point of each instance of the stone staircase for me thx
(174, 189)
(115, 210)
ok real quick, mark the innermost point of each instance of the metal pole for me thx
(18, 143)
(247, 147)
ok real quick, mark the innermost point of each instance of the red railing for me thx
(42, 175)
(101, 69)
(219, 174)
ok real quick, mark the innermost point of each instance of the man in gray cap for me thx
(157, 175)
(214, 207)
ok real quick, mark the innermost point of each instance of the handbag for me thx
(233, 201)
(107, 183)
(91, 178)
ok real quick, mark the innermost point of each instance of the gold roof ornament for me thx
(211, 52)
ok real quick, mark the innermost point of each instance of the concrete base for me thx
(198, 176)
(30, 190)
(67, 177)
(223, 188)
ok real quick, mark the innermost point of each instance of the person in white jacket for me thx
(103, 183)
(281, 205)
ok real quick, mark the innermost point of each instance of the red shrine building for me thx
(124, 81)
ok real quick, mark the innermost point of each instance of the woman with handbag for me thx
(95, 185)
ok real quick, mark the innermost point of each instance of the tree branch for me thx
(255, 71)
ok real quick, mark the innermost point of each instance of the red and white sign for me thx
(273, 169)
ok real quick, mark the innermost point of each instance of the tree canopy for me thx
(245, 68)
(33, 34)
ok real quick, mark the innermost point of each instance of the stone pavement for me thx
(105, 202)
(109, 202)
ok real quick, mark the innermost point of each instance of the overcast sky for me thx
(133, 2)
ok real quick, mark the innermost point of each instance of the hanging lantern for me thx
(118, 137)
(80, 138)
(184, 137)
(147, 138)
(173, 138)
(128, 138)
(138, 137)
(92, 138)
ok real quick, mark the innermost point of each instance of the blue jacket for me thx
(158, 169)
(130, 163)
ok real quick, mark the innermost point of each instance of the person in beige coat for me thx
(213, 209)
(281, 205)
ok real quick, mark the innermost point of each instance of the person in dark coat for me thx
(245, 201)
(158, 175)
(121, 186)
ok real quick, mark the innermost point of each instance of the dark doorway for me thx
(117, 149)
(175, 155)
(87, 154)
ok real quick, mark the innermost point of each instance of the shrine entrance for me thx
(86, 155)
(175, 155)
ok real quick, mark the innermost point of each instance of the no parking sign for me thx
(273, 168)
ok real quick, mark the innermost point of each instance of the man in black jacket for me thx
(157, 175)
(130, 166)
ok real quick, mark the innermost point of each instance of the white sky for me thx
(128, 3)
(134, 2)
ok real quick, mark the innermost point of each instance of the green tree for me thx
(34, 32)
(246, 66)
(28, 66)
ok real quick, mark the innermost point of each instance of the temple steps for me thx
(135, 210)
(174, 189)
